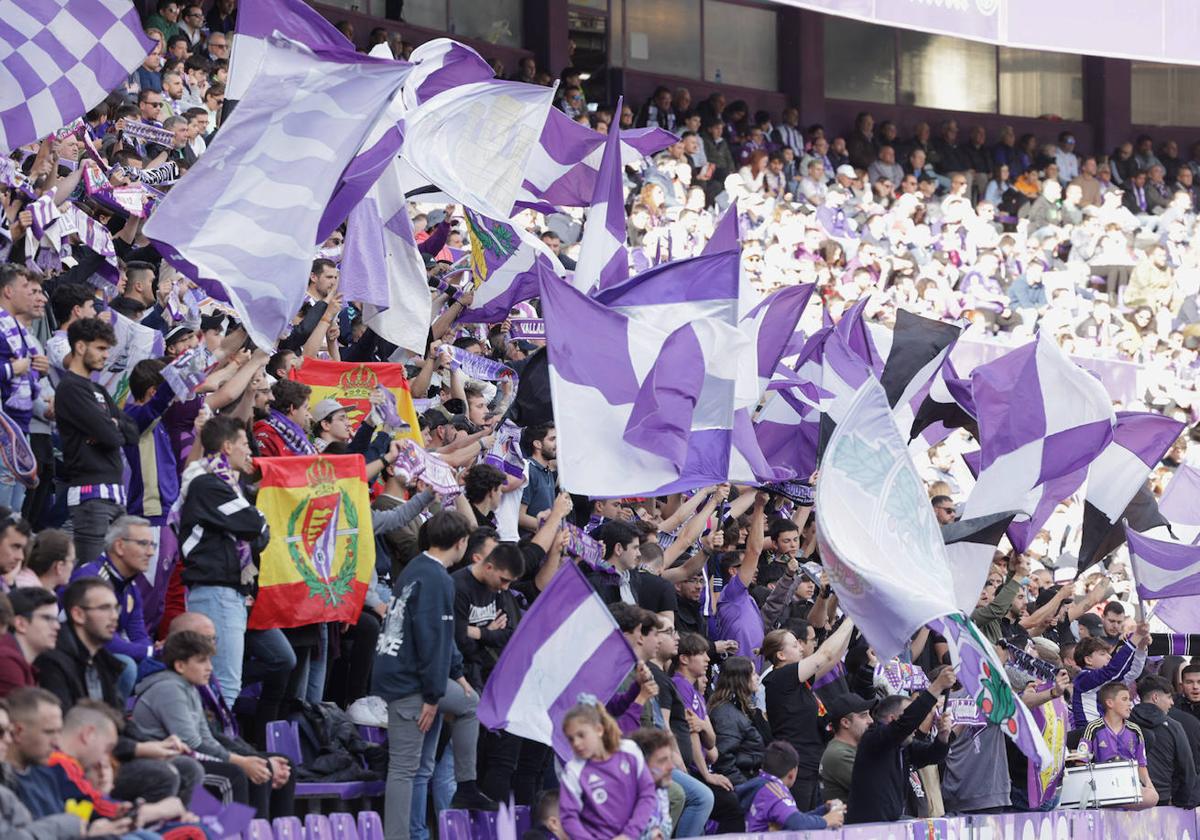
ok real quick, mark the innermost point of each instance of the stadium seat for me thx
(260, 830)
(288, 828)
(370, 826)
(317, 827)
(452, 825)
(343, 826)
(283, 737)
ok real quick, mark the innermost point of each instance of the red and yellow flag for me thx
(318, 564)
(351, 384)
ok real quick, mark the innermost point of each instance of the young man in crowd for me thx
(1114, 737)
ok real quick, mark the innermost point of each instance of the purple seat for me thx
(343, 826)
(373, 734)
(453, 825)
(288, 828)
(260, 830)
(283, 737)
(317, 827)
(370, 827)
(483, 825)
(524, 819)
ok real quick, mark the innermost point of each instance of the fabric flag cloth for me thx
(879, 540)
(351, 384)
(565, 162)
(1052, 719)
(853, 329)
(1041, 417)
(603, 258)
(506, 261)
(256, 21)
(947, 405)
(135, 343)
(473, 141)
(970, 547)
(532, 404)
(382, 267)
(439, 65)
(249, 212)
(920, 347)
(639, 411)
(546, 665)
(982, 676)
(1168, 572)
(770, 325)
(1180, 502)
(1140, 439)
(59, 59)
(318, 564)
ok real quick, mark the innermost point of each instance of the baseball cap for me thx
(1093, 624)
(177, 334)
(212, 322)
(847, 704)
(847, 170)
(326, 408)
(436, 418)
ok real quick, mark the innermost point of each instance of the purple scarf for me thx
(293, 436)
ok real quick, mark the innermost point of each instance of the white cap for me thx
(847, 170)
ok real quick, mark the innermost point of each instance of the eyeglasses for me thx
(108, 608)
(153, 104)
(142, 543)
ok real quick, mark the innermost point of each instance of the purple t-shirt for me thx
(771, 807)
(738, 618)
(691, 698)
(1106, 745)
(601, 799)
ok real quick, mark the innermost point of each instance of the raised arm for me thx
(754, 540)
(828, 654)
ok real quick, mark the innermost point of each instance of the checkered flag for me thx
(58, 58)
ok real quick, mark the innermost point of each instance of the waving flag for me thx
(1140, 439)
(59, 59)
(548, 662)
(1180, 502)
(639, 411)
(970, 547)
(134, 344)
(382, 267)
(473, 141)
(1041, 417)
(603, 258)
(256, 21)
(566, 160)
(439, 65)
(318, 564)
(1162, 568)
(947, 405)
(770, 325)
(506, 261)
(919, 349)
(351, 384)
(249, 213)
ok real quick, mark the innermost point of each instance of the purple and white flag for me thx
(879, 539)
(1180, 502)
(505, 263)
(919, 349)
(249, 214)
(639, 410)
(439, 65)
(770, 326)
(1041, 417)
(565, 163)
(58, 59)
(186, 373)
(135, 343)
(568, 644)
(1163, 568)
(970, 547)
(946, 405)
(603, 257)
(1140, 439)
(382, 266)
(256, 21)
(473, 141)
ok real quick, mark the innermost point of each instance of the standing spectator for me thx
(22, 362)
(861, 147)
(1068, 163)
(1100, 665)
(92, 430)
(1113, 737)
(740, 728)
(788, 133)
(416, 657)
(1168, 755)
(540, 443)
(880, 790)
(218, 531)
(849, 716)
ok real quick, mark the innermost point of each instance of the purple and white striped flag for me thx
(568, 644)
(603, 257)
(1163, 568)
(566, 161)
(248, 214)
(382, 267)
(439, 65)
(1041, 417)
(58, 59)
(505, 263)
(919, 349)
(1140, 439)
(1180, 502)
(256, 21)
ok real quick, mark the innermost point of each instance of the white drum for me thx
(1098, 785)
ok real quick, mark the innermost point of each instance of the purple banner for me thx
(1071, 26)
(1051, 719)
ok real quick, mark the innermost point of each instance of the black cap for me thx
(461, 422)
(1093, 624)
(436, 418)
(215, 321)
(847, 704)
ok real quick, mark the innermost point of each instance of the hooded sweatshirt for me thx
(166, 704)
(1168, 756)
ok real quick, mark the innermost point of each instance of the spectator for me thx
(849, 716)
(15, 820)
(1169, 760)
(80, 666)
(1112, 737)
(769, 803)
(741, 731)
(33, 632)
(1100, 665)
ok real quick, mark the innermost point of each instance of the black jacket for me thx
(93, 430)
(1191, 729)
(1168, 756)
(214, 518)
(879, 788)
(740, 744)
(61, 671)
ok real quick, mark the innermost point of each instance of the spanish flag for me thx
(318, 564)
(351, 384)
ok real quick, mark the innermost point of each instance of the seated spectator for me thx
(50, 562)
(768, 800)
(655, 745)
(1113, 737)
(546, 822)
(80, 664)
(33, 631)
(741, 730)
(15, 820)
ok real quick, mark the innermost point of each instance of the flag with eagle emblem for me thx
(318, 564)
(351, 384)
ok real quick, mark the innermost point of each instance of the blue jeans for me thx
(128, 678)
(697, 805)
(12, 492)
(226, 608)
(417, 830)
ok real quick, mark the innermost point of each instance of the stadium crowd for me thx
(128, 676)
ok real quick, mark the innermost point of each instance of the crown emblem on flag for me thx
(322, 477)
(358, 382)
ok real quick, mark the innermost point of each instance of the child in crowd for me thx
(606, 791)
(655, 745)
(1114, 737)
(1100, 665)
(768, 800)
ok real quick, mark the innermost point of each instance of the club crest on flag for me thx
(492, 242)
(356, 386)
(352, 383)
(314, 549)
